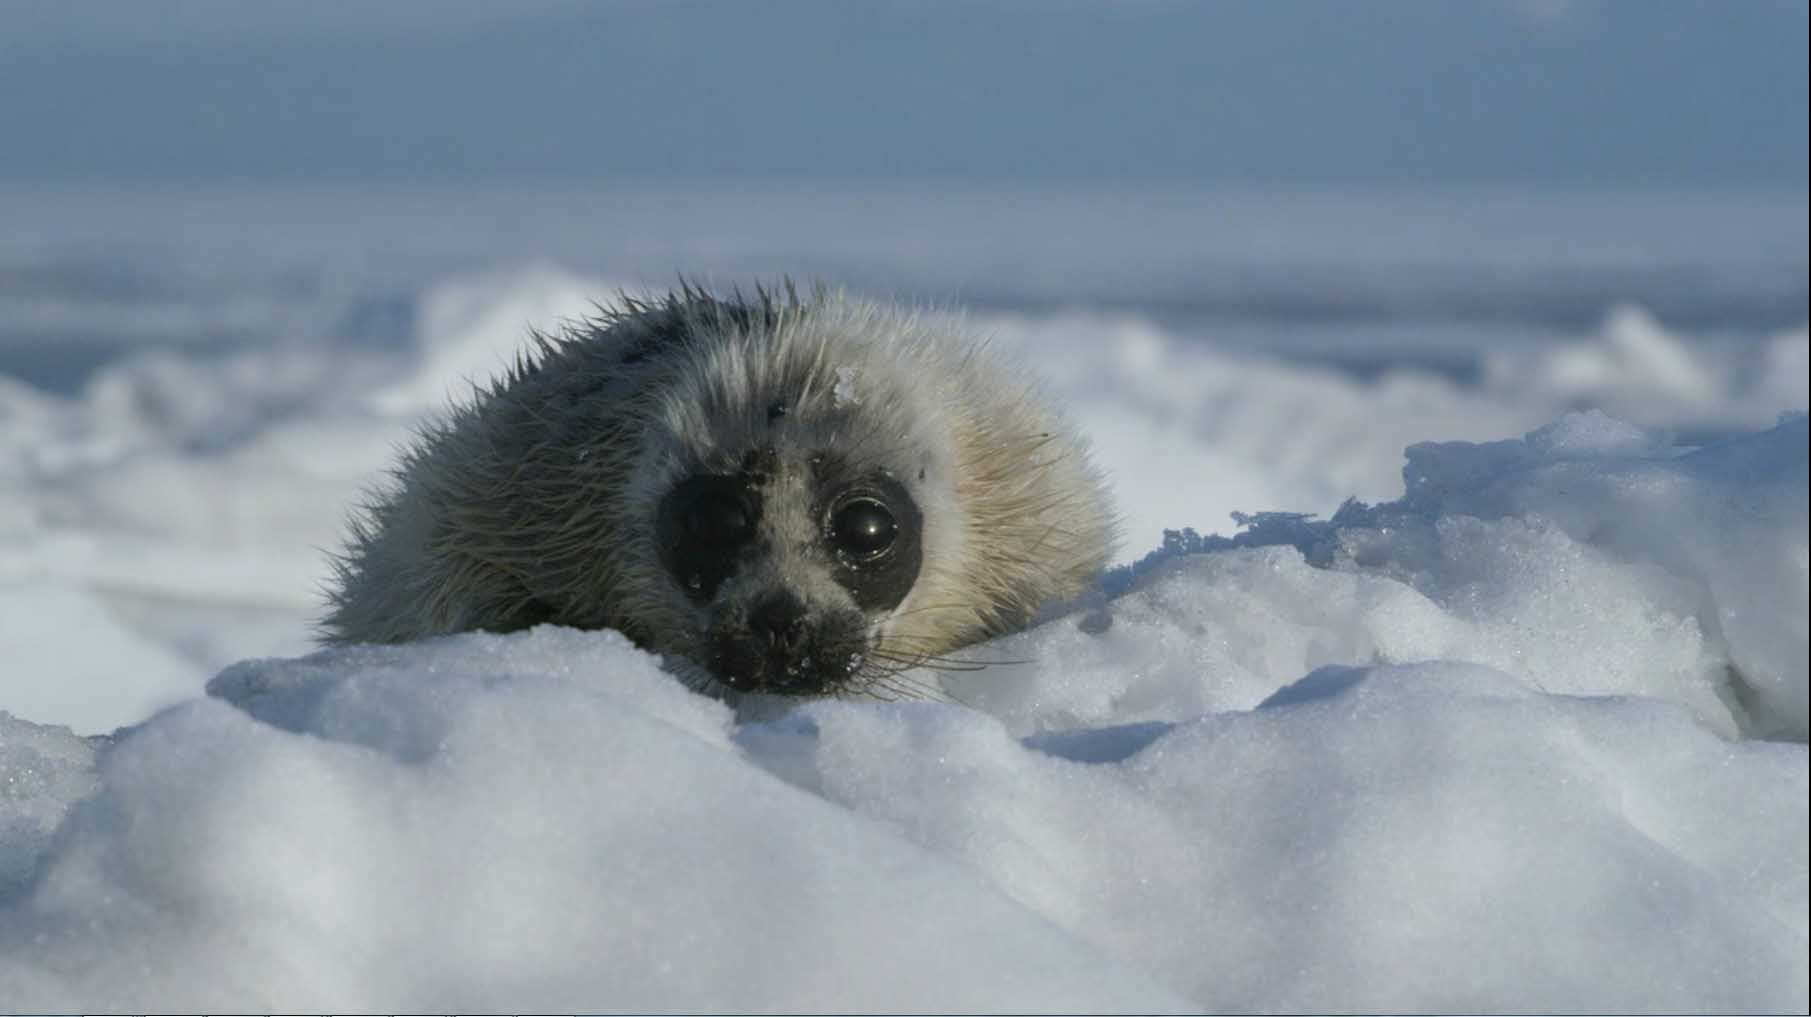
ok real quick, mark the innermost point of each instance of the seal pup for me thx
(803, 494)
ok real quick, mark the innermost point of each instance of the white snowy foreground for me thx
(1492, 746)
(1526, 734)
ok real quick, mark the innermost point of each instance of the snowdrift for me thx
(1530, 737)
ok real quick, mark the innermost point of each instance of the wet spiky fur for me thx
(533, 502)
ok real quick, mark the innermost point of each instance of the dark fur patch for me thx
(700, 568)
(780, 647)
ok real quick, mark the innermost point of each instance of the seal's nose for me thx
(778, 624)
(782, 647)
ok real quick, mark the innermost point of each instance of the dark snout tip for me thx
(780, 648)
(778, 622)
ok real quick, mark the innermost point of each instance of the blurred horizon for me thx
(1377, 186)
(1415, 93)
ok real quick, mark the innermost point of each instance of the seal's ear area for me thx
(604, 482)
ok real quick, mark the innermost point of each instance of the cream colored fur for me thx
(535, 500)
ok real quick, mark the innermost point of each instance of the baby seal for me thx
(797, 494)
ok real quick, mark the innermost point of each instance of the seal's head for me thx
(791, 495)
(794, 556)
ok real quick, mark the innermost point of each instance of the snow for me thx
(1193, 431)
(1521, 727)
(1585, 559)
(544, 820)
(843, 394)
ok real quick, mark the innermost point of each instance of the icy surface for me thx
(1584, 559)
(1468, 750)
(1520, 729)
(43, 771)
(545, 820)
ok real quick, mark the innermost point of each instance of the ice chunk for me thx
(43, 771)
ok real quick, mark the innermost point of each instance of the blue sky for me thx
(1569, 91)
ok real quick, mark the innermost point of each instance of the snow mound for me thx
(541, 820)
(1635, 367)
(1480, 748)
(1588, 558)
(545, 819)
(1432, 837)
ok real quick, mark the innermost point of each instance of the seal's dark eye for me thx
(874, 534)
(718, 519)
(863, 529)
